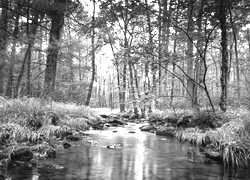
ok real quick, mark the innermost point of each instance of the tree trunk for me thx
(143, 115)
(199, 66)
(57, 22)
(175, 48)
(3, 41)
(9, 89)
(153, 64)
(189, 53)
(93, 57)
(117, 72)
(40, 58)
(123, 93)
(224, 62)
(167, 13)
(160, 49)
(133, 90)
(236, 55)
(248, 39)
(27, 56)
(125, 56)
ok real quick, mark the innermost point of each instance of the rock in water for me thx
(196, 158)
(166, 131)
(131, 132)
(23, 154)
(147, 128)
(73, 138)
(110, 147)
(66, 145)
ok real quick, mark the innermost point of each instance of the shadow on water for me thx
(137, 156)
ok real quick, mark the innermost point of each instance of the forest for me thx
(156, 60)
(168, 53)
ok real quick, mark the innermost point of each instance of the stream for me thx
(130, 156)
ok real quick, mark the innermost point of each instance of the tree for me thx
(222, 16)
(57, 21)
(3, 41)
(31, 33)
(10, 82)
(93, 56)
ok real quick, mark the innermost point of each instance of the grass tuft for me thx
(192, 135)
(26, 119)
(17, 133)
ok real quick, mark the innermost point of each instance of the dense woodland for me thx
(59, 59)
(163, 54)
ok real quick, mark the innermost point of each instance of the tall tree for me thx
(9, 89)
(31, 33)
(57, 21)
(175, 53)
(3, 41)
(150, 56)
(190, 55)
(199, 65)
(222, 7)
(93, 57)
(235, 33)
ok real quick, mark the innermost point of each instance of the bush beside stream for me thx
(219, 134)
(25, 123)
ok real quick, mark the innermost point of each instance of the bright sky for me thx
(88, 5)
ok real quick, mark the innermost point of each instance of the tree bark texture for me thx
(57, 22)
(3, 41)
(9, 88)
(133, 89)
(190, 69)
(224, 61)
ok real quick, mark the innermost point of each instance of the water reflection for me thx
(142, 156)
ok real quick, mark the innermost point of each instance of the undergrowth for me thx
(232, 138)
(27, 119)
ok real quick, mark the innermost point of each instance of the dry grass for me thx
(232, 138)
(193, 135)
(51, 130)
(17, 133)
(74, 110)
(27, 119)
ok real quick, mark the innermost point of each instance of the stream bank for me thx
(32, 135)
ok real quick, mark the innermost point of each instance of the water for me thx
(138, 156)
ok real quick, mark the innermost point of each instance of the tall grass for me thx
(17, 133)
(232, 138)
(74, 110)
(27, 118)
(193, 135)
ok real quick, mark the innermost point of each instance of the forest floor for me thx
(30, 130)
